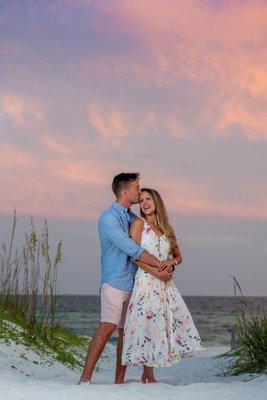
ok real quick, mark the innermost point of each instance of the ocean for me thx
(214, 316)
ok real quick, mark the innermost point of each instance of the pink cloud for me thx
(114, 124)
(252, 122)
(37, 184)
(200, 206)
(13, 107)
(109, 122)
(175, 127)
(75, 186)
(217, 53)
(218, 50)
(80, 146)
(188, 197)
(63, 148)
(22, 111)
(79, 172)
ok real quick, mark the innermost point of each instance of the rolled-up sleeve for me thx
(110, 226)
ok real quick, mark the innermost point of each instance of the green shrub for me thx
(28, 295)
(250, 353)
(29, 277)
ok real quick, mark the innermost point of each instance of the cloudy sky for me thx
(175, 89)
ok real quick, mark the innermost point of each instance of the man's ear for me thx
(124, 193)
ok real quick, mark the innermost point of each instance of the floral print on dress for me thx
(159, 329)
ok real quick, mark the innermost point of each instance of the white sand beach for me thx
(26, 375)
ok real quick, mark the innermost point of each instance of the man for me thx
(118, 272)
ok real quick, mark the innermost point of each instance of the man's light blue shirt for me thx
(117, 247)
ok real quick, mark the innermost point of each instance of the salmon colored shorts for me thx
(114, 304)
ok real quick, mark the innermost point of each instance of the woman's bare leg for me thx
(120, 369)
(148, 375)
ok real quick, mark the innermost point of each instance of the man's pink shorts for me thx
(114, 304)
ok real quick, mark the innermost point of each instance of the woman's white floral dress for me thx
(159, 329)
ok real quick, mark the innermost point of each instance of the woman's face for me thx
(147, 204)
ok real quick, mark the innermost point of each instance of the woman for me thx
(159, 329)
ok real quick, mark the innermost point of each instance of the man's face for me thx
(133, 192)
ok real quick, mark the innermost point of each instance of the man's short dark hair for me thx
(121, 180)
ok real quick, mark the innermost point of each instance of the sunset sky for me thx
(175, 89)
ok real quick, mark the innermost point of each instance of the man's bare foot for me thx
(81, 382)
(120, 374)
(119, 380)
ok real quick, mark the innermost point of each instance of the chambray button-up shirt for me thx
(117, 247)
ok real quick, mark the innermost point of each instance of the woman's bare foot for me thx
(148, 375)
(143, 378)
(146, 379)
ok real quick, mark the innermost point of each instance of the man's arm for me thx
(113, 230)
(136, 233)
(164, 275)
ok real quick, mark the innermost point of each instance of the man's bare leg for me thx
(95, 349)
(120, 369)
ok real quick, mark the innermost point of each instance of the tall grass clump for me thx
(250, 352)
(29, 278)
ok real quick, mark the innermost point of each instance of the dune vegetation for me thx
(250, 350)
(28, 297)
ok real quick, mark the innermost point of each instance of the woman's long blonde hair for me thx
(162, 220)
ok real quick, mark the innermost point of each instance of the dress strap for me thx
(143, 219)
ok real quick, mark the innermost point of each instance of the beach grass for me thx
(28, 298)
(29, 276)
(61, 346)
(250, 352)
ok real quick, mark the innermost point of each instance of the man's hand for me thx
(165, 275)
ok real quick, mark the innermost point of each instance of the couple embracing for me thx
(138, 293)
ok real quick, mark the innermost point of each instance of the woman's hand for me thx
(165, 275)
(165, 264)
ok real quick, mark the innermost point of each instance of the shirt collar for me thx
(120, 208)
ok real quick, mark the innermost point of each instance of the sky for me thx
(173, 89)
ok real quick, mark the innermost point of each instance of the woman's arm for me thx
(164, 275)
(136, 229)
(177, 256)
(136, 234)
